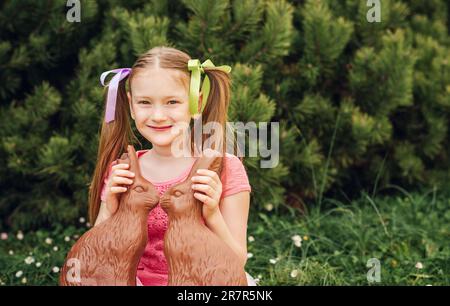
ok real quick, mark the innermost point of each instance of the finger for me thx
(210, 173)
(205, 189)
(120, 166)
(203, 179)
(117, 180)
(118, 189)
(124, 173)
(203, 198)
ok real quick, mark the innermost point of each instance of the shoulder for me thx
(234, 176)
(231, 161)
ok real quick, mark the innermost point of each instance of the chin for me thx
(161, 141)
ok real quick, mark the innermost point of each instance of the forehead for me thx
(159, 82)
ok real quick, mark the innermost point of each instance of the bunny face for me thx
(142, 195)
(178, 199)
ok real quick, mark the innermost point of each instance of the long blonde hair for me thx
(116, 135)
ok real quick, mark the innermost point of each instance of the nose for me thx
(158, 114)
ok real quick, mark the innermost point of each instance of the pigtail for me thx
(114, 138)
(216, 109)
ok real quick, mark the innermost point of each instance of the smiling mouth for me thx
(160, 128)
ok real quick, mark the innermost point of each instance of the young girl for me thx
(164, 93)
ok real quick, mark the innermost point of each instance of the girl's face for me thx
(160, 99)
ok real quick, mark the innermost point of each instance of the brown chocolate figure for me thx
(195, 255)
(109, 253)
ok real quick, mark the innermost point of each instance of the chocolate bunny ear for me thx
(130, 158)
(216, 164)
(211, 160)
(134, 163)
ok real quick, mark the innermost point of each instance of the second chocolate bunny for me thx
(195, 255)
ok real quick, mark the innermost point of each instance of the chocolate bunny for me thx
(195, 255)
(109, 253)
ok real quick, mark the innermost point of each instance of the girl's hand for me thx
(207, 189)
(118, 183)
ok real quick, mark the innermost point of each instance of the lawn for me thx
(408, 235)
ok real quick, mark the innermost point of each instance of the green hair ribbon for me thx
(196, 70)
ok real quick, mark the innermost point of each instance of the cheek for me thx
(141, 114)
(181, 114)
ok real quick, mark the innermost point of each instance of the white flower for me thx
(294, 273)
(24, 280)
(258, 278)
(19, 235)
(273, 260)
(249, 255)
(48, 240)
(55, 248)
(251, 239)
(29, 260)
(88, 224)
(76, 236)
(19, 273)
(38, 264)
(82, 220)
(268, 206)
(419, 265)
(297, 240)
(11, 252)
(55, 269)
(67, 238)
(4, 236)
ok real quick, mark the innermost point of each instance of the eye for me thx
(177, 193)
(144, 102)
(138, 189)
(173, 102)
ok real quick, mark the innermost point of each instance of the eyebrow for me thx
(167, 97)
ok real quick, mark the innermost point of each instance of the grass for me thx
(408, 234)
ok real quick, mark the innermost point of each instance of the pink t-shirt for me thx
(152, 268)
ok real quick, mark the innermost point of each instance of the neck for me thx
(164, 154)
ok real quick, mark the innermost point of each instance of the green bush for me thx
(359, 104)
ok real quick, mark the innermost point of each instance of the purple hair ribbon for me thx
(113, 85)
